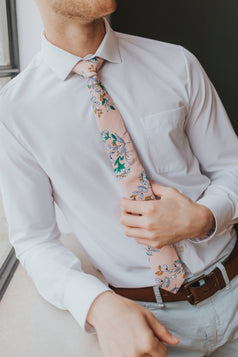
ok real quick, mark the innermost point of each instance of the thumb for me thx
(162, 332)
(158, 189)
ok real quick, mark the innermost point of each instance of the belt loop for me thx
(158, 296)
(223, 271)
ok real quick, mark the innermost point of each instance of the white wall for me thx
(29, 35)
(29, 30)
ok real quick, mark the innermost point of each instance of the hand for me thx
(170, 219)
(125, 328)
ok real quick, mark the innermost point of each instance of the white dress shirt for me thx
(51, 150)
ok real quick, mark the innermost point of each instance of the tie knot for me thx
(88, 68)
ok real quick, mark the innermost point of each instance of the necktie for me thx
(166, 266)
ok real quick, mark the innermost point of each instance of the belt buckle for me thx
(190, 297)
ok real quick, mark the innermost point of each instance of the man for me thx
(51, 150)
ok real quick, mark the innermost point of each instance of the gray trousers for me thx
(209, 328)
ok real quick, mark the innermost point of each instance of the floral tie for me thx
(166, 266)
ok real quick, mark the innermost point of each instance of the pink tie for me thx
(166, 266)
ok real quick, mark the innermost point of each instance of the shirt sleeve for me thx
(215, 144)
(33, 231)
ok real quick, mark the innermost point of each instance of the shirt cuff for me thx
(222, 211)
(80, 292)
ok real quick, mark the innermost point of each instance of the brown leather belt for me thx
(195, 291)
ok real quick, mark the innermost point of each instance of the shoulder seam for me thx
(16, 79)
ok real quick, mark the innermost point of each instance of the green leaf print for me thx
(120, 166)
(101, 86)
(106, 137)
(114, 139)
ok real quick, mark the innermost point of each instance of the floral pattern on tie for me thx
(95, 85)
(171, 274)
(165, 263)
(139, 194)
(119, 155)
(150, 250)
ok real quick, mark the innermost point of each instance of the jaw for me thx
(83, 10)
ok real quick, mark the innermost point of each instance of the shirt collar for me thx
(62, 62)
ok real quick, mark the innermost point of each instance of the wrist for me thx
(208, 221)
(96, 309)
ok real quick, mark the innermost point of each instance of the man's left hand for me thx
(172, 218)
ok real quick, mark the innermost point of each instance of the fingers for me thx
(151, 346)
(160, 350)
(163, 190)
(158, 189)
(151, 243)
(136, 207)
(136, 233)
(161, 331)
(132, 221)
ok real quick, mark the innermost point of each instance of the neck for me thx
(78, 38)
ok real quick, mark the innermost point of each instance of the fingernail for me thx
(175, 338)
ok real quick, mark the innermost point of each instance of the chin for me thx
(105, 7)
(84, 10)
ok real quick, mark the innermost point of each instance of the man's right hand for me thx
(125, 328)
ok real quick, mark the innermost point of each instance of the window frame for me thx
(10, 263)
(14, 68)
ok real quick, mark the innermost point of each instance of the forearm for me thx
(202, 223)
(59, 278)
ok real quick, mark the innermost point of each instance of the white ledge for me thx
(30, 326)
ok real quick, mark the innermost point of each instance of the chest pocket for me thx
(168, 144)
